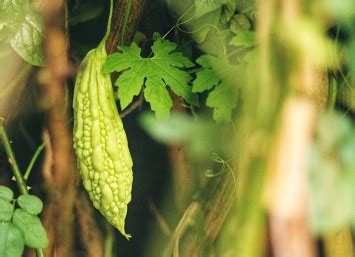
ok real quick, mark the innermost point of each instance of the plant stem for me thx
(33, 160)
(40, 253)
(109, 238)
(21, 183)
(11, 158)
(125, 22)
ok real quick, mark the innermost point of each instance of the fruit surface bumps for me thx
(100, 141)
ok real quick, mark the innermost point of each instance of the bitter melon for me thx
(100, 141)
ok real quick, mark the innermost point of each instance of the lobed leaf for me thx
(217, 75)
(153, 74)
(223, 100)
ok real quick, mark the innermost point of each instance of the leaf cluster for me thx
(166, 71)
(20, 226)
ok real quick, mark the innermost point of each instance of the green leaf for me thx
(228, 11)
(6, 210)
(220, 76)
(30, 203)
(165, 68)
(239, 22)
(205, 78)
(22, 27)
(202, 7)
(6, 193)
(12, 242)
(244, 38)
(35, 234)
(4, 230)
(223, 99)
(159, 98)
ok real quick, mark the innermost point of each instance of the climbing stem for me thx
(125, 22)
(33, 161)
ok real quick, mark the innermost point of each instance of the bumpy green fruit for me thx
(100, 141)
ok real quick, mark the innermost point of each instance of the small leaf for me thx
(244, 38)
(12, 241)
(30, 203)
(15, 242)
(6, 193)
(205, 78)
(223, 99)
(31, 226)
(220, 76)
(6, 210)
